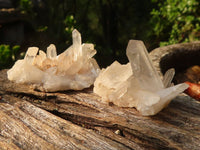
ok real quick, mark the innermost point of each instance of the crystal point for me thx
(137, 84)
(30, 54)
(51, 51)
(72, 69)
(142, 66)
(76, 38)
(167, 79)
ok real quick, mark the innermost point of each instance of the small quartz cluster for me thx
(137, 84)
(73, 69)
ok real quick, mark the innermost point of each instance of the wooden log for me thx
(179, 56)
(79, 120)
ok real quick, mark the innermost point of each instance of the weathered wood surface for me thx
(179, 56)
(78, 120)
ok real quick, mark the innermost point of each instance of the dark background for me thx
(109, 24)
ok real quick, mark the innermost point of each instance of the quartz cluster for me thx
(137, 84)
(73, 69)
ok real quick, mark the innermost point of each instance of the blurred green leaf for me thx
(8, 55)
(176, 20)
(25, 6)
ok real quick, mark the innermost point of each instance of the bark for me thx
(178, 56)
(78, 120)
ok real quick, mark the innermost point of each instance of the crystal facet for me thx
(73, 69)
(137, 84)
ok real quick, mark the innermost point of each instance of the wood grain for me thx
(78, 120)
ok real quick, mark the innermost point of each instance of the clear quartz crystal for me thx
(77, 44)
(137, 84)
(142, 66)
(73, 69)
(51, 51)
(30, 54)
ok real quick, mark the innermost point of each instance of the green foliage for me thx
(176, 21)
(69, 22)
(109, 24)
(42, 28)
(8, 55)
(25, 6)
(56, 20)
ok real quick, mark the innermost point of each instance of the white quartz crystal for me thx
(137, 84)
(73, 69)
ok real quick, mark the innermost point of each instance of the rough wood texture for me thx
(78, 120)
(178, 56)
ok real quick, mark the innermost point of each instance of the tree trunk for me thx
(78, 120)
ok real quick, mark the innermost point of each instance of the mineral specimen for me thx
(73, 69)
(137, 84)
